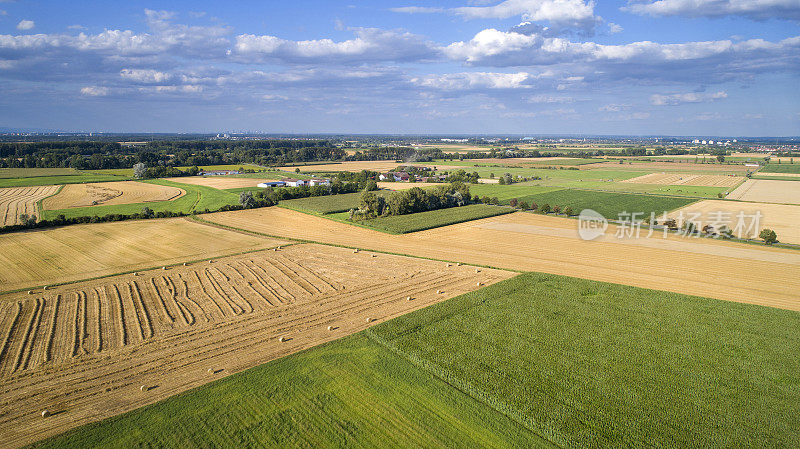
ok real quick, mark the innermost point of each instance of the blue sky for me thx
(676, 67)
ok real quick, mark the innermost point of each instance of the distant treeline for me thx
(111, 155)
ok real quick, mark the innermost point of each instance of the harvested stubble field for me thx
(767, 191)
(110, 193)
(78, 252)
(781, 218)
(532, 242)
(221, 182)
(82, 351)
(15, 201)
(687, 179)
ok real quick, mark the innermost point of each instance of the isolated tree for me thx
(768, 236)
(297, 170)
(139, 170)
(246, 199)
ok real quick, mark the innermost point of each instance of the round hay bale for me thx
(477, 270)
(458, 264)
(439, 292)
(45, 413)
(30, 292)
(448, 265)
(210, 261)
(374, 255)
(330, 328)
(164, 268)
(282, 339)
(135, 273)
(480, 283)
(211, 371)
(408, 298)
(143, 388)
(45, 287)
(185, 264)
(369, 320)
(355, 251)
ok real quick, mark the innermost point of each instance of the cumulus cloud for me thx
(94, 91)
(25, 25)
(691, 97)
(145, 76)
(370, 44)
(753, 9)
(474, 80)
(613, 107)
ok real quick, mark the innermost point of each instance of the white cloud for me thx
(613, 28)
(94, 91)
(369, 44)
(613, 107)
(691, 97)
(753, 9)
(541, 98)
(76, 27)
(145, 76)
(25, 25)
(474, 80)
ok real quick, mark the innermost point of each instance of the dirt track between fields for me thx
(95, 349)
(723, 270)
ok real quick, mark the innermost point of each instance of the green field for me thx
(197, 198)
(546, 162)
(580, 363)
(781, 168)
(35, 172)
(403, 224)
(80, 177)
(590, 364)
(609, 204)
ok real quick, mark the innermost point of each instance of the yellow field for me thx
(687, 179)
(788, 175)
(719, 169)
(407, 185)
(82, 251)
(220, 182)
(523, 241)
(15, 201)
(781, 218)
(767, 191)
(110, 193)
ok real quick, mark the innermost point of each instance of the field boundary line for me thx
(468, 390)
(40, 207)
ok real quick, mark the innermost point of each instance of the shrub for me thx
(569, 212)
(544, 208)
(513, 202)
(523, 205)
(768, 236)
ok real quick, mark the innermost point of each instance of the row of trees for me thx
(411, 201)
(269, 197)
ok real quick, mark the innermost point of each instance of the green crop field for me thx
(80, 177)
(35, 172)
(403, 224)
(528, 361)
(197, 199)
(328, 204)
(609, 204)
(591, 364)
(781, 168)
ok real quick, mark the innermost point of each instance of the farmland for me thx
(80, 177)
(533, 242)
(608, 204)
(345, 166)
(110, 193)
(420, 221)
(223, 182)
(197, 198)
(328, 204)
(781, 168)
(35, 172)
(767, 191)
(167, 328)
(781, 218)
(687, 179)
(16, 201)
(77, 252)
(642, 341)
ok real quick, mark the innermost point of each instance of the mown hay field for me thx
(767, 191)
(16, 201)
(197, 198)
(76, 252)
(110, 193)
(687, 179)
(83, 351)
(781, 218)
(222, 182)
(533, 242)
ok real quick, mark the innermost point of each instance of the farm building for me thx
(395, 176)
(220, 173)
(264, 185)
(295, 182)
(319, 182)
